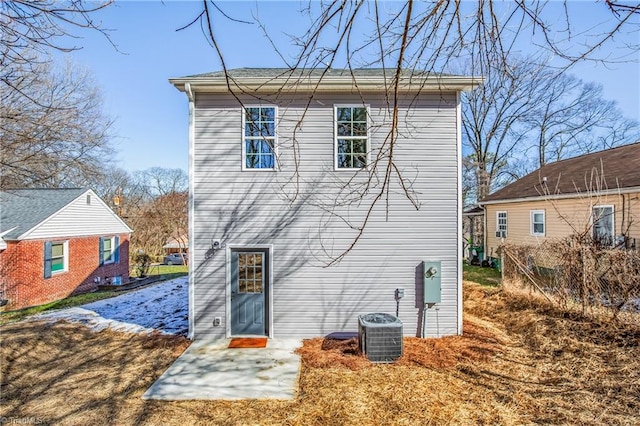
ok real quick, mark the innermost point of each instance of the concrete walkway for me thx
(209, 370)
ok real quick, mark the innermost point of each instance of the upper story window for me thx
(56, 257)
(603, 229)
(351, 137)
(537, 223)
(109, 250)
(259, 138)
(501, 224)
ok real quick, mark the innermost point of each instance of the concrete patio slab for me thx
(209, 370)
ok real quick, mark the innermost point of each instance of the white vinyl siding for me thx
(79, 218)
(296, 211)
(537, 223)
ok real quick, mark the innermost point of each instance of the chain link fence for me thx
(570, 273)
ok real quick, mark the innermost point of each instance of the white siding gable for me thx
(79, 218)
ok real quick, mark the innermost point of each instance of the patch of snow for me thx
(159, 307)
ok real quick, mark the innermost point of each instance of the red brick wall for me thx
(22, 270)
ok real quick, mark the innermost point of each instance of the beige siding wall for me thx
(563, 217)
(306, 216)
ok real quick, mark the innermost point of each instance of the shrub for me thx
(142, 262)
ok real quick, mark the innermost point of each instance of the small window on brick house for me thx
(56, 257)
(109, 250)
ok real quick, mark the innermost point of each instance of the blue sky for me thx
(151, 116)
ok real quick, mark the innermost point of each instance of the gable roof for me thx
(613, 169)
(321, 79)
(22, 210)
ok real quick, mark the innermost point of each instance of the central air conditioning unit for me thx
(380, 337)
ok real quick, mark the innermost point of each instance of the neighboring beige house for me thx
(596, 193)
(178, 242)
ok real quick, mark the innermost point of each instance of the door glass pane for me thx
(250, 273)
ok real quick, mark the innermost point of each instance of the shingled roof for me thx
(22, 209)
(612, 169)
(311, 72)
(276, 80)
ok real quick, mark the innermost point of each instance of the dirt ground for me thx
(520, 361)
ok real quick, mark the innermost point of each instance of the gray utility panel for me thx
(431, 274)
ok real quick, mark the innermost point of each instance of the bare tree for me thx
(425, 38)
(494, 118)
(571, 117)
(121, 191)
(158, 220)
(52, 128)
(43, 25)
(527, 110)
(159, 181)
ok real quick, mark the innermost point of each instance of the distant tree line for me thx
(154, 202)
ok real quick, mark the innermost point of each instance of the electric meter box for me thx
(431, 273)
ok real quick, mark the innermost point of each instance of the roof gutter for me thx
(188, 91)
(326, 84)
(616, 191)
(3, 243)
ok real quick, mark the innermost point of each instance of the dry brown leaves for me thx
(520, 361)
(477, 344)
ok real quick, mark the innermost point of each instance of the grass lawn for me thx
(480, 275)
(173, 271)
(520, 361)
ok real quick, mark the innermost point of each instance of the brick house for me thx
(58, 242)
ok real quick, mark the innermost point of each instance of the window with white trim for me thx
(351, 137)
(109, 250)
(56, 257)
(501, 224)
(537, 223)
(603, 226)
(259, 137)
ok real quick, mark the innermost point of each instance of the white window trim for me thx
(506, 230)
(65, 248)
(613, 219)
(113, 250)
(532, 214)
(275, 139)
(335, 137)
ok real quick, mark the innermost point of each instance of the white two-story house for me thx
(307, 210)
